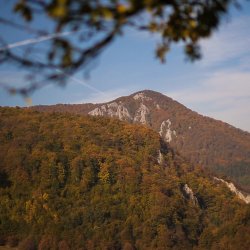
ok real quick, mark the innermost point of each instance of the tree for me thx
(95, 24)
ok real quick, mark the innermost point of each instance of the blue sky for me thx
(217, 86)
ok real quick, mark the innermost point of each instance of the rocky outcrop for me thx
(120, 111)
(166, 132)
(233, 189)
(141, 96)
(188, 192)
(160, 157)
(113, 110)
(142, 114)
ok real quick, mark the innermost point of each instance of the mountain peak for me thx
(201, 140)
(150, 94)
(147, 92)
(141, 96)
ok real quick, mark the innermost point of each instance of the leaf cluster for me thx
(93, 25)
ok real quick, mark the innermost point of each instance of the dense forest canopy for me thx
(80, 30)
(75, 182)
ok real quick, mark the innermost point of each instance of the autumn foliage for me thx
(75, 182)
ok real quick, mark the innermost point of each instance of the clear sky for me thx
(217, 86)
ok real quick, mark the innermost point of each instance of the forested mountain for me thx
(74, 182)
(201, 140)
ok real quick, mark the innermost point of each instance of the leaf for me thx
(161, 51)
(58, 9)
(24, 10)
(192, 51)
(107, 13)
(121, 8)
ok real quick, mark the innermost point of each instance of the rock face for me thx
(201, 140)
(141, 114)
(233, 189)
(141, 96)
(166, 132)
(112, 109)
(188, 192)
(160, 158)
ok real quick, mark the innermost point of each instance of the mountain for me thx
(79, 182)
(203, 141)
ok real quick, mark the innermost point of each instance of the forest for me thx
(78, 182)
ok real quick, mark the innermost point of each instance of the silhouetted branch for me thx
(93, 25)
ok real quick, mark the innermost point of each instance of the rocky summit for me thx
(204, 141)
